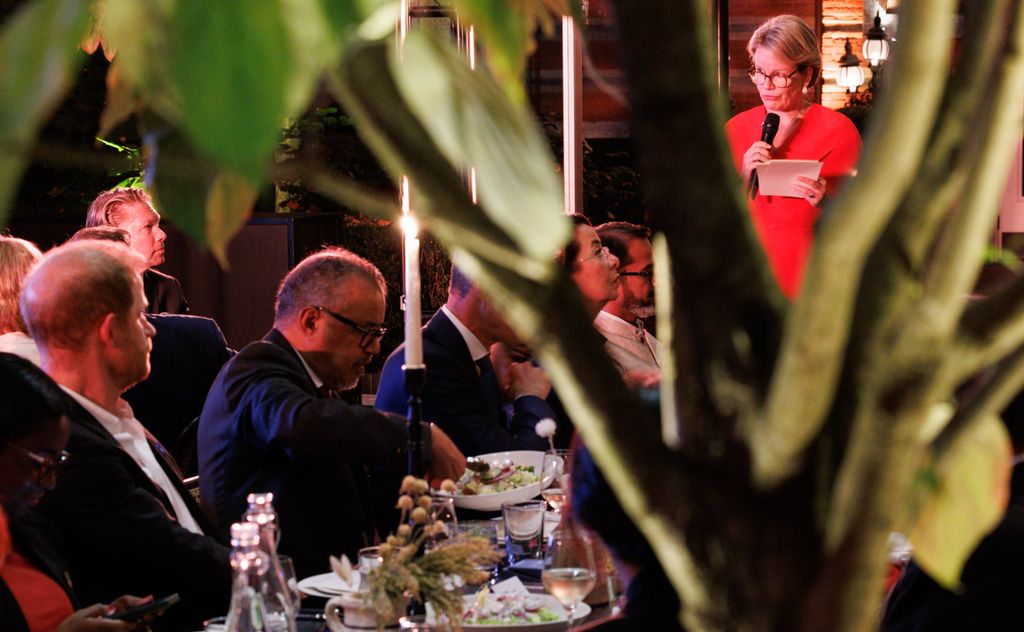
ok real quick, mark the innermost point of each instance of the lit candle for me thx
(413, 333)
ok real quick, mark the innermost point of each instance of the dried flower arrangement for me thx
(434, 576)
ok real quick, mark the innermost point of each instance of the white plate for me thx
(582, 611)
(492, 502)
(328, 585)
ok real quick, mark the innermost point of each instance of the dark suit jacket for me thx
(453, 396)
(264, 429)
(992, 582)
(163, 293)
(36, 539)
(188, 352)
(119, 537)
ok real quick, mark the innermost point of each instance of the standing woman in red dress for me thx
(784, 65)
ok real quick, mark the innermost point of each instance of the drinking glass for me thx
(524, 529)
(442, 509)
(369, 559)
(569, 572)
(288, 568)
(557, 465)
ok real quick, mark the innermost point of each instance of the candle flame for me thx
(409, 226)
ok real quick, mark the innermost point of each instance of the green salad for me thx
(494, 480)
(491, 609)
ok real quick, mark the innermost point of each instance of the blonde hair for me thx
(790, 37)
(107, 208)
(17, 257)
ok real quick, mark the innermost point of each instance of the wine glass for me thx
(442, 509)
(569, 571)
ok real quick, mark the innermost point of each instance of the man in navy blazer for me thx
(126, 521)
(188, 352)
(271, 423)
(461, 393)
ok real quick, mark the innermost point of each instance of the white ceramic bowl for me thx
(492, 502)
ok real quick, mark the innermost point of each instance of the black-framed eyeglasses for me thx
(46, 464)
(778, 80)
(603, 253)
(647, 275)
(369, 333)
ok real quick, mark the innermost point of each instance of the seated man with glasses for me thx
(635, 351)
(271, 422)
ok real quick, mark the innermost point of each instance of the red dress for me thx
(785, 225)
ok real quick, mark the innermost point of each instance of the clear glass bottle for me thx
(278, 595)
(248, 611)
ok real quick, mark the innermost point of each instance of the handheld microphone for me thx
(769, 128)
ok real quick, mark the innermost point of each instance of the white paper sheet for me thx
(775, 177)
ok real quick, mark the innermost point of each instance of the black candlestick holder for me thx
(414, 379)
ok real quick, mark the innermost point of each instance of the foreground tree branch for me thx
(728, 339)
(991, 399)
(967, 232)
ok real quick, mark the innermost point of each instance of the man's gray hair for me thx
(312, 282)
(108, 207)
(74, 287)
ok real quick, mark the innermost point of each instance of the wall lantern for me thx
(876, 44)
(851, 75)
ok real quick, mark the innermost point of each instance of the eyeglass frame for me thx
(753, 71)
(45, 465)
(369, 333)
(604, 254)
(647, 275)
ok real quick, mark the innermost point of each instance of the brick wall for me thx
(840, 19)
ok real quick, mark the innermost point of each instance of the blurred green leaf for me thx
(178, 179)
(138, 33)
(207, 203)
(228, 206)
(232, 65)
(475, 124)
(969, 500)
(38, 58)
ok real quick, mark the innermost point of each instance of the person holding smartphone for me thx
(35, 593)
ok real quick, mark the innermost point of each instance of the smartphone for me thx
(143, 611)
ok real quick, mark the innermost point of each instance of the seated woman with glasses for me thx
(35, 593)
(785, 66)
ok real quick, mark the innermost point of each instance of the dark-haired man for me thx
(272, 424)
(620, 321)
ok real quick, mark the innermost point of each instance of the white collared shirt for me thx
(476, 348)
(631, 346)
(131, 436)
(317, 382)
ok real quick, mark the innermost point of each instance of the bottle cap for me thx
(260, 498)
(245, 534)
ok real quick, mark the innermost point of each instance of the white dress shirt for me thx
(477, 349)
(20, 344)
(629, 345)
(131, 436)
